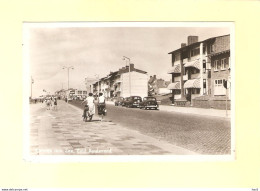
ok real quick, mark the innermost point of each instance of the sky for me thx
(99, 50)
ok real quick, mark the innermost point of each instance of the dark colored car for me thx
(119, 101)
(125, 101)
(133, 101)
(149, 103)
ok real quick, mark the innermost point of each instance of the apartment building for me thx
(198, 71)
(123, 83)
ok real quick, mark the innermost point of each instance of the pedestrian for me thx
(48, 104)
(91, 105)
(101, 106)
(86, 113)
(55, 104)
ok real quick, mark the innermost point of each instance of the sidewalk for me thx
(63, 132)
(192, 110)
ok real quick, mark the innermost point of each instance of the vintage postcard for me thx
(128, 91)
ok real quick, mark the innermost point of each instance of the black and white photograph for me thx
(129, 89)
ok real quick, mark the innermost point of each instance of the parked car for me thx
(133, 101)
(149, 103)
(118, 101)
(125, 101)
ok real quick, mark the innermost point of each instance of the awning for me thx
(195, 83)
(174, 86)
(195, 64)
(175, 69)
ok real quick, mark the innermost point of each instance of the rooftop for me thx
(196, 43)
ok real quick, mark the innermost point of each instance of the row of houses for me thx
(199, 70)
(125, 82)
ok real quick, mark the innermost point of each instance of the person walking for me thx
(91, 105)
(55, 104)
(48, 104)
(101, 106)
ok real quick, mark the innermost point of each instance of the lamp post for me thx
(98, 82)
(126, 58)
(70, 67)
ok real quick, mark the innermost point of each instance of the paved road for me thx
(201, 134)
(63, 132)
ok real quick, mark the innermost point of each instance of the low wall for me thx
(215, 104)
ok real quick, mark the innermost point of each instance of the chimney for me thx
(192, 39)
(154, 76)
(183, 44)
(131, 67)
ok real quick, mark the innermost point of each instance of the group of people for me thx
(89, 108)
(51, 102)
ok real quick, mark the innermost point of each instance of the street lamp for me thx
(126, 58)
(98, 82)
(70, 67)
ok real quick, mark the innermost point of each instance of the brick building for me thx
(199, 70)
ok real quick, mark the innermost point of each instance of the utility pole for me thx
(70, 67)
(98, 82)
(124, 58)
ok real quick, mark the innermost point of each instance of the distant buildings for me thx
(157, 86)
(72, 94)
(122, 83)
(199, 70)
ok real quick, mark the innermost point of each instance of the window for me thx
(195, 91)
(219, 88)
(204, 86)
(177, 57)
(84, 92)
(204, 66)
(195, 52)
(223, 64)
(204, 49)
(194, 70)
(177, 92)
(216, 65)
(211, 48)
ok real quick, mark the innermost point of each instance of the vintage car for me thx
(133, 101)
(118, 101)
(149, 103)
(125, 101)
